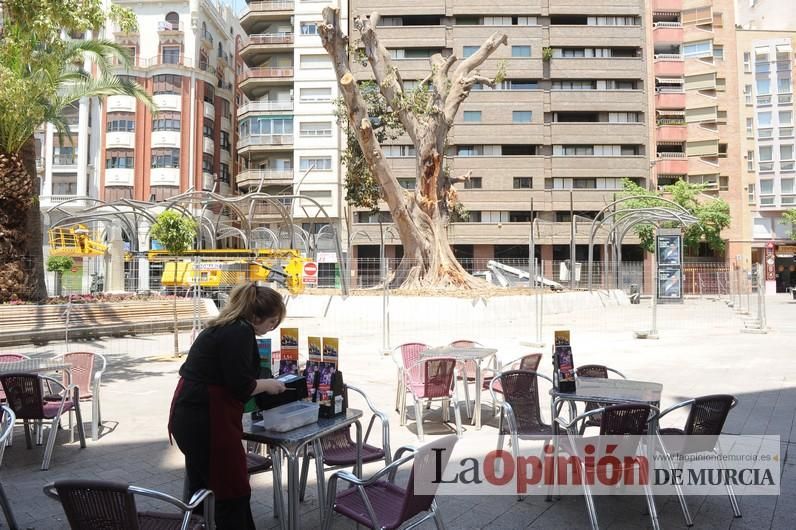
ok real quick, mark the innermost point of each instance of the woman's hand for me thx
(273, 386)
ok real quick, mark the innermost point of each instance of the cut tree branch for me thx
(387, 75)
(460, 86)
(461, 178)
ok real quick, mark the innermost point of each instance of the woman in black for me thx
(219, 375)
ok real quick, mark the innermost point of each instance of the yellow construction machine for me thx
(218, 270)
(75, 241)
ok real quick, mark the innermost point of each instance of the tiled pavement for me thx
(688, 359)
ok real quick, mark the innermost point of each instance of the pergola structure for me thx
(217, 218)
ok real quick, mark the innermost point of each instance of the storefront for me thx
(781, 266)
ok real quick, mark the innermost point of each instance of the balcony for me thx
(667, 5)
(207, 38)
(266, 39)
(595, 68)
(671, 164)
(164, 176)
(166, 139)
(578, 7)
(665, 67)
(169, 28)
(165, 60)
(262, 11)
(266, 142)
(667, 33)
(209, 110)
(597, 100)
(121, 104)
(608, 36)
(208, 145)
(119, 176)
(599, 166)
(670, 100)
(168, 101)
(120, 139)
(595, 132)
(265, 106)
(251, 178)
(671, 131)
(66, 160)
(260, 74)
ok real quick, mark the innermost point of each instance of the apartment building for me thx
(696, 124)
(182, 53)
(558, 134)
(289, 142)
(766, 71)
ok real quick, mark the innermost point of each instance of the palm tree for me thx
(38, 80)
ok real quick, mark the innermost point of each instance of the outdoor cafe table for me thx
(604, 392)
(291, 443)
(477, 355)
(31, 366)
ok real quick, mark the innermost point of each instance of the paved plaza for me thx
(701, 351)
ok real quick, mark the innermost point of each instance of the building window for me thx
(322, 197)
(407, 184)
(520, 51)
(786, 186)
(766, 153)
(783, 85)
(698, 49)
(523, 183)
(766, 186)
(763, 87)
(166, 121)
(170, 55)
(121, 122)
(321, 163)
(207, 163)
(750, 161)
(750, 125)
(119, 159)
(786, 152)
(165, 157)
(315, 129)
(747, 91)
(309, 28)
(223, 175)
(764, 119)
(473, 183)
(785, 118)
(224, 141)
(173, 19)
(167, 84)
(208, 128)
(519, 217)
(718, 52)
(312, 95)
(210, 94)
(398, 151)
(467, 51)
(472, 116)
(747, 62)
(521, 116)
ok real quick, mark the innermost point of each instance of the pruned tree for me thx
(790, 217)
(422, 215)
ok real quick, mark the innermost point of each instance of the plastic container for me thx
(289, 416)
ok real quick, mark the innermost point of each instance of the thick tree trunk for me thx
(21, 257)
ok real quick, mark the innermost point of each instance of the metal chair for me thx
(7, 420)
(431, 380)
(87, 377)
(93, 504)
(380, 503)
(705, 420)
(10, 358)
(616, 420)
(340, 451)
(405, 355)
(520, 412)
(597, 371)
(26, 399)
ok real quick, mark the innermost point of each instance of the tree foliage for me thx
(713, 214)
(175, 231)
(60, 264)
(790, 217)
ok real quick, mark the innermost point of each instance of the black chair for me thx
(705, 421)
(597, 371)
(94, 504)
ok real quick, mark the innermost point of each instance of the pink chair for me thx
(405, 355)
(86, 374)
(430, 380)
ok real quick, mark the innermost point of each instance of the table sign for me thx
(563, 365)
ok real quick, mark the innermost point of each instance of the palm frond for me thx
(99, 51)
(105, 86)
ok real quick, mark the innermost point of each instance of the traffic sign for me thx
(310, 273)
